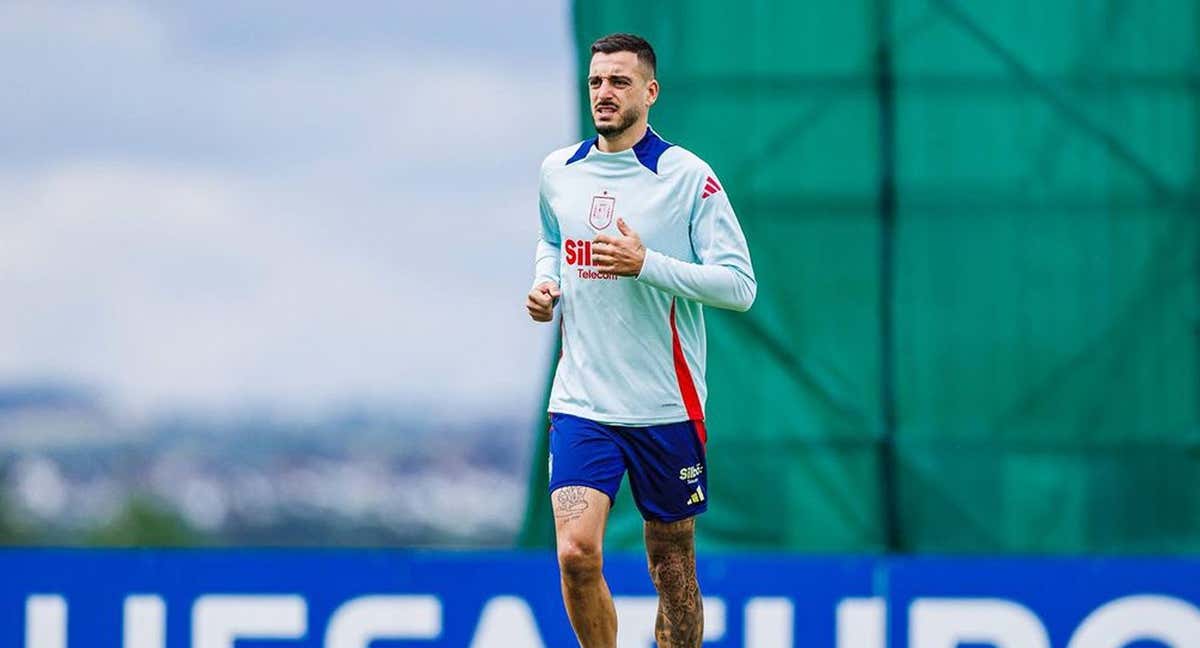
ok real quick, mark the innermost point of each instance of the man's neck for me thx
(623, 140)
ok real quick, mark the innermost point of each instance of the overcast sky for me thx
(275, 203)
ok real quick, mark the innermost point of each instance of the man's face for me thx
(620, 90)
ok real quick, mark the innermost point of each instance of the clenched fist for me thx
(540, 302)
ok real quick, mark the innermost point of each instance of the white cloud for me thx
(185, 287)
(302, 227)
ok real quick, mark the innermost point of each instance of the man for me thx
(636, 234)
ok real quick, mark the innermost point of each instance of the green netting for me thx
(975, 231)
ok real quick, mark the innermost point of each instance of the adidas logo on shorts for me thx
(696, 497)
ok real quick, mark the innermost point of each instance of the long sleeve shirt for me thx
(633, 350)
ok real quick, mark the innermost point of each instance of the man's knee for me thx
(580, 560)
(670, 565)
(670, 550)
(668, 539)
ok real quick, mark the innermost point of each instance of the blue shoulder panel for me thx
(582, 151)
(650, 148)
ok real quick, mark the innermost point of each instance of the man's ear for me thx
(652, 92)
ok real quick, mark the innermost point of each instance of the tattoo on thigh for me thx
(570, 503)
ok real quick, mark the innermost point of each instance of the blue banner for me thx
(396, 599)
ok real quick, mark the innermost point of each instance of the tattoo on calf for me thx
(672, 554)
(680, 622)
(570, 503)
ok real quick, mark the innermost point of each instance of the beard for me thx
(625, 119)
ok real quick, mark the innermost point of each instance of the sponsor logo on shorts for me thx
(696, 497)
(691, 473)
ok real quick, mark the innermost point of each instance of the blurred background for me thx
(974, 226)
(262, 268)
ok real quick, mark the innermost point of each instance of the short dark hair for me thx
(628, 43)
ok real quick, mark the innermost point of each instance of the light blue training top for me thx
(633, 349)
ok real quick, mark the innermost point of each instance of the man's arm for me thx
(718, 285)
(545, 264)
(724, 278)
(545, 292)
(549, 244)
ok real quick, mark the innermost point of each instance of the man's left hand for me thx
(621, 255)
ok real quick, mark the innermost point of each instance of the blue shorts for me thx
(667, 471)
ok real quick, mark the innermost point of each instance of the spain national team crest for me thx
(601, 215)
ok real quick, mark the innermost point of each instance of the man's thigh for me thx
(584, 453)
(678, 537)
(580, 514)
(668, 471)
(586, 468)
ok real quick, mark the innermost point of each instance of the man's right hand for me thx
(540, 302)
